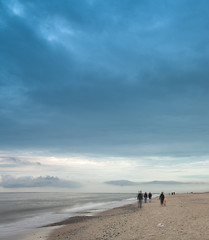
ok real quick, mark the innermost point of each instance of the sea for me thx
(22, 212)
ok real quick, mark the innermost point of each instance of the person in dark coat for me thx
(140, 198)
(150, 196)
(162, 196)
(145, 197)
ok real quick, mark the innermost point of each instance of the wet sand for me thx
(186, 216)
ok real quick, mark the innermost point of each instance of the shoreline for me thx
(82, 204)
(43, 232)
(185, 217)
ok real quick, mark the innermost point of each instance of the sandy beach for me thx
(184, 217)
(37, 234)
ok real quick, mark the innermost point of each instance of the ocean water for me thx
(22, 212)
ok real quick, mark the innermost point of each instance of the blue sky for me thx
(100, 90)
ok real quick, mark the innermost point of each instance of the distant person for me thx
(140, 198)
(150, 196)
(161, 197)
(145, 197)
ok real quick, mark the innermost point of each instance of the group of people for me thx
(144, 196)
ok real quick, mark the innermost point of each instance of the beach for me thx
(184, 217)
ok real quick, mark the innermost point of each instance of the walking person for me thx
(161, 197)
(140, 198)
(145, 197)
(150, 196)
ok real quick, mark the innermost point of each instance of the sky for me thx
(93, 92)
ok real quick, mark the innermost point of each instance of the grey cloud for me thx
(130, 75)
(30, 182)
(206, 177)
(122, 183)
(130, 183)
(11, 162)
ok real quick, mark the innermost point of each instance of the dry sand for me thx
(186, 216)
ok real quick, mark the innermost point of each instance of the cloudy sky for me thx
(102, 90)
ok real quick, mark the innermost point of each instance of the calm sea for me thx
(21, 212)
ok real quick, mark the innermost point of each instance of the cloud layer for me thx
(130, 183)
(39, 182)
(101, 76)
(104, 79)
